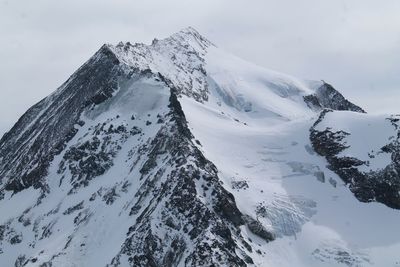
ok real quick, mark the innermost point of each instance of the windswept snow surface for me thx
(257, 134)
(258, 92)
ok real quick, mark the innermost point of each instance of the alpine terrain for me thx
(180, 154)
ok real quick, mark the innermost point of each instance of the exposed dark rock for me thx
(110, 196)
(95, 156)
(76, 207)
(258, 229)
(44, 129)
(240, 185)
(320, 176)
(20, 261)
(382, 185)
(327, 97)
(82, 217)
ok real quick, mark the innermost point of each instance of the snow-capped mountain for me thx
(180, 154)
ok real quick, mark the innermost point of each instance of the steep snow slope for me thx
(256, 91)
(276, 177)
(267, 161)
(180, 154)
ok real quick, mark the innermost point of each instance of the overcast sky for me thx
(352, 44)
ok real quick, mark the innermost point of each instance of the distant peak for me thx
(190, 30)
(187, 37)
(191, 33)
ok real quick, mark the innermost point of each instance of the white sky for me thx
(352, 44)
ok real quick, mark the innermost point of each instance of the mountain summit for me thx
(180, 154)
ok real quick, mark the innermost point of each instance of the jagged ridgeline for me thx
(118, 166)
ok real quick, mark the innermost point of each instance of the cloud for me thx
(355, 45)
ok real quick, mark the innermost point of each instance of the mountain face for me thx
(180, 154)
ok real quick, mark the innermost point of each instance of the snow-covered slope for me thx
(180, 154)
(277, 177)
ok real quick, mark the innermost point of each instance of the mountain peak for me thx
(184, 40)
(177, 153)
(189, 30)
(179, 58)
(191, 33)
